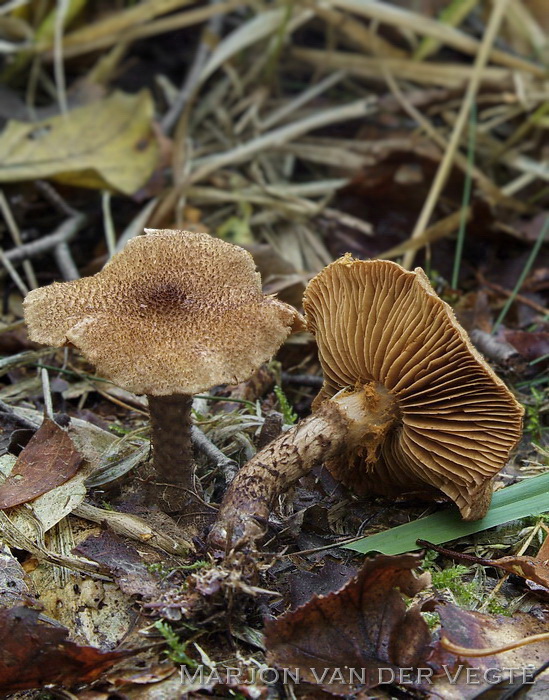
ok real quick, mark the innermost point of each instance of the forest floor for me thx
(413, 131)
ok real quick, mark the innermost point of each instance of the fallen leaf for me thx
(465, 677)
(530, 568)
(123, 562)
(304, 584)
(105, 144)
(364, 626)
(543, 551)
(35, 655)
(13, 587)
(49, 460)
(529, 344)
(97, 447)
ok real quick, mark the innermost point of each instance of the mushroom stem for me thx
(174, 488)
(339, 424)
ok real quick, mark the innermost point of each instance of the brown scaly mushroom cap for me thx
(454, 422)
(173, 313)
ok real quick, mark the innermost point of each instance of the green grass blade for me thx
(528, 497)
(533, 254)
(467, 188)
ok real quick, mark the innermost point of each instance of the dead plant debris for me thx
(413, 131)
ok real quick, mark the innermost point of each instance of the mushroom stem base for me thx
(174, 487)
(337, 426)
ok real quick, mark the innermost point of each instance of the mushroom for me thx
(173, 314)
(407, 406)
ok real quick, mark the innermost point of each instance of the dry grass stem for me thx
(442, 173)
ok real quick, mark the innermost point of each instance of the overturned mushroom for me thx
(408, 405)
(173, 314)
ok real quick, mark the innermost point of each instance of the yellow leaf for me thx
(107, 144)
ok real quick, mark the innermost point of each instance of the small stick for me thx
(55, 199)
(303, 379)
(110, 235)
(25, 422)
(62, 234)
(209, 34)
(48, 404)
(518, 297)
(226, 465)
(449, 156)
(65, 263)
(490, 651)
(21, 286)
(58, 64)
(16, 236)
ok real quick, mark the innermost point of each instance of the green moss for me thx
(466, 593)
(177, 648)
(496, 607)
(290, 416)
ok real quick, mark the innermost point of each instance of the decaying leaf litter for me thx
(399, 130)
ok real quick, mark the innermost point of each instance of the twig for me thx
(55, 199)
(14, 537)
(283, 134)
(48, 404)
(132, 526)
(65, 263)
(76, 43)
(16, 237)
(226, 465)
(518, 297)
(303, 379)
(482, 181)
(425, 26)
(490, 651)
(448, 159)
(62, 7)
(306, 96)
(272, 139)
(63, 234)
(24, 422)
(108, 225)
(12, 272)
(211, 31)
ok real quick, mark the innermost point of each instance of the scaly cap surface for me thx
(174, 312)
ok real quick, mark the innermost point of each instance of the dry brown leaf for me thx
(530, 568)
(123, 562)
(34, 654)
(13, 586)
(106, 144)
(466, 677)
(531, 345)
(365, 625)
(543, 552)
(49, 460)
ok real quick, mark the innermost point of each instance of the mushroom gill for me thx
(454, 421)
